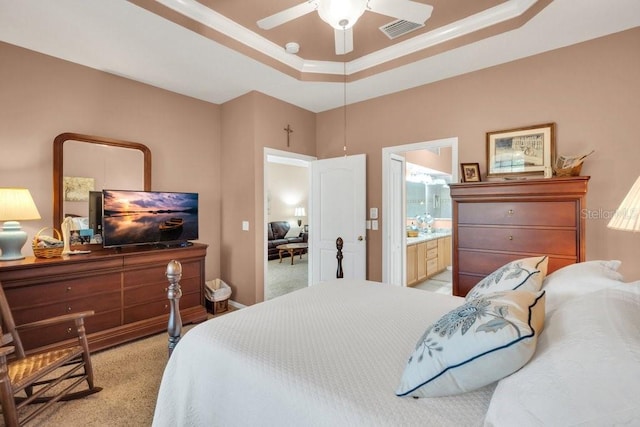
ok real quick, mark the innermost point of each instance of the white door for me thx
(395, 262)
(338, 209)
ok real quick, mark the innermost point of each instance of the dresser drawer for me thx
(509, 239)
(549, 214)
(41, 294)
(98, 303)
(158, 308)
(157, 274)
(432, 253)
(485, 263)
(157, 291)
(52, 334)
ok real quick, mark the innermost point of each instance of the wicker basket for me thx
(574, 171)
(41, 252)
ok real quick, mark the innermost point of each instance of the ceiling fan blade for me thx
(344, 41)
(288, 15)
(408, 10)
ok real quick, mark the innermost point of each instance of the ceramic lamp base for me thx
(12, 239)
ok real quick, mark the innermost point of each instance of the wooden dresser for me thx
(498, 222)
(127, 289)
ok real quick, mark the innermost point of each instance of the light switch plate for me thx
(245, 225)
(373, 213)
(374, 224)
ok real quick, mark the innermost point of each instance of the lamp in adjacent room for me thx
(16, 204)
(627, 216)
(299, 212)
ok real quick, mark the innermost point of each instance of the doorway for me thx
(394, 198)
(286, 199)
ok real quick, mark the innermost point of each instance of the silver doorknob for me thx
(360, 238)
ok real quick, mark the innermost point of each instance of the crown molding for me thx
(214, 20)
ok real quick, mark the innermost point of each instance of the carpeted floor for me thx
(283, 278)
(130, 376)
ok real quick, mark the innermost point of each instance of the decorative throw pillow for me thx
(524, 274)
(478, 343)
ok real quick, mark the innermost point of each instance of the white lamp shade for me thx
(627, 216)
(16, 204)
(299, 211)
(341, 14)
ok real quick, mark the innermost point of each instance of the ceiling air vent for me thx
(399, 28)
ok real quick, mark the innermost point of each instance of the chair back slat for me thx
(10, 334)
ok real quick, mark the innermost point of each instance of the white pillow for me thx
(475, 344)
(524, 274)
(586, 368)
(293, 232)
(578, 279)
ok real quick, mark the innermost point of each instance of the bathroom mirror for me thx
(83, 163)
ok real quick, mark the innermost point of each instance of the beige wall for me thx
(440, 161)
(250, 123)
(41, 97)
(590, 90)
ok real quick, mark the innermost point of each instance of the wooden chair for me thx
(44, 377)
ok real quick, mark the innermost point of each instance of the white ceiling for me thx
(121, 38)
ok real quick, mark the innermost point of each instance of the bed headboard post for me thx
(339, 243)
(174, 328)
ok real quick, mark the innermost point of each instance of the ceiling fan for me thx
(343, 14)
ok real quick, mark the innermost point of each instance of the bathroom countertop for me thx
(424, 237)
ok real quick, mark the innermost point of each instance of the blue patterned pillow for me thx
(478, 343)
(524, 274)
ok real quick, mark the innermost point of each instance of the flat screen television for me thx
(148, 218)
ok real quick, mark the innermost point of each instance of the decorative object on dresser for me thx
(45, 377)
(569, 165)
(16, 204)
(126, 288)
(627, 216)
(470, 172)
(522, 151)
(498, 222)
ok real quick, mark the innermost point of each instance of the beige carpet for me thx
(283, 278)
(130, 376)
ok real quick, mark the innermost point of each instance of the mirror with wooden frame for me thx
(83, 163)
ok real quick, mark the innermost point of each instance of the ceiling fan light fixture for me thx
(341, 14)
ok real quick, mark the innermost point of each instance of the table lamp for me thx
(627, 216)
(299, 212)
(16, 204)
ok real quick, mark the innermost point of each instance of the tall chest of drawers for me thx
(498, 222)
(126, 289)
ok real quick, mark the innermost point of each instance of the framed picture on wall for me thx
(470, 172)
(527, 150)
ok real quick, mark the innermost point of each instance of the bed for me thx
(339, 353)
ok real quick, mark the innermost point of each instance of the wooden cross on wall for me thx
(289, 132)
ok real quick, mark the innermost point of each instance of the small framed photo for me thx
(470, 172)
(523, 151)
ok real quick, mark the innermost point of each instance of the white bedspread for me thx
(328, 355)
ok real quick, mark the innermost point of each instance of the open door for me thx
(338, 209)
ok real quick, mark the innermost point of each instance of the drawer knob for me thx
(68, 330)
(69, 309)
(510, 237)
(68, 288)
(510, 212)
